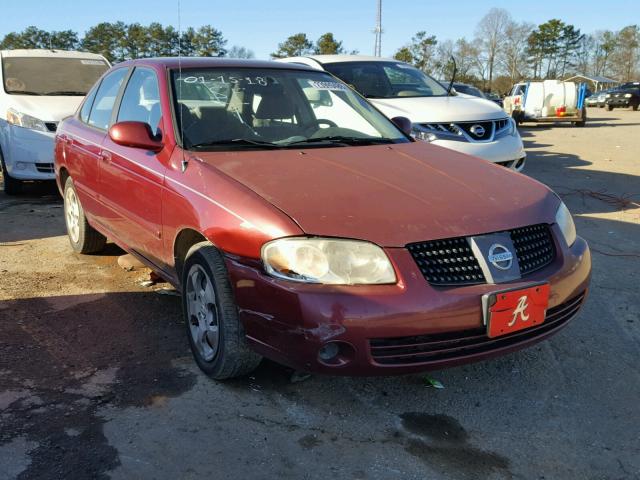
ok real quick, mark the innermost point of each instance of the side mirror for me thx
(135, 135)
(403, 123)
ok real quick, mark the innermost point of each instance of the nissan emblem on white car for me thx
(477, 130)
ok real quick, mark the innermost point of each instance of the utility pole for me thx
(377, 49)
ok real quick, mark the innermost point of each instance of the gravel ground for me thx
(96, 380)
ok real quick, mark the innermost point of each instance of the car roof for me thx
(201, 62)
(43, 52)
(345, 58)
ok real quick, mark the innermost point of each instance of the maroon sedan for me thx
(302, 225)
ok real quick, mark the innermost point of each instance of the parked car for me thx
(302, 225)
(625, 97)
(592, 100)
(548, 101)
(40, 88)
(476, 92)
(460, 122)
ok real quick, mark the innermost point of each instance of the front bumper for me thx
(507, 150)
(290, 322)
(27, 154)
(619, 102)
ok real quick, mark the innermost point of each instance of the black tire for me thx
(231, 357)
(635, 107)
(582, 122)
(609, 108)
(518, 117)
(86, 239)
(11, 186)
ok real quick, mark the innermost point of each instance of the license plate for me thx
(513, 310)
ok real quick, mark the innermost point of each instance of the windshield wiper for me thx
(342, 140)
(235, 141)
(22, 92)
(66, 92)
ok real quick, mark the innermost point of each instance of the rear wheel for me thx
(82, 236)
(11, 186)
(216, 334)
(583, 115)
(635, 107)
(609, 108)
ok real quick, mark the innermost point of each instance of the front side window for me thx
(141, 99)
(51, 75)
(86, 106)
(102, 108)
(386, 79)
(220, 108)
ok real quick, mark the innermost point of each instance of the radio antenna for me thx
(185, 163)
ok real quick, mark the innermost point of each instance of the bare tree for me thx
(514, 48)
(491, 32)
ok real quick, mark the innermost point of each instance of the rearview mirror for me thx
(135, 135)
(403, 123)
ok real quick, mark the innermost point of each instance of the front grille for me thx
(534, 247)
(445, 346)
(470, 129)
(463, 130)
(447, 262)
(451, 262)
(45, 167)
(51, 126)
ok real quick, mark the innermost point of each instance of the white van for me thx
(39, 88)
(468, 124)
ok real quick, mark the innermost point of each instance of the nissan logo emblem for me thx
(500, 256)
(477, 130)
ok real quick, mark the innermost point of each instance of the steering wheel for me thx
(320, 121)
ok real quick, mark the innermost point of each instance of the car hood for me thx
(389, 194)
(459, 108)
(48, 109)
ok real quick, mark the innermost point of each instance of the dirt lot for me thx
(96, 379)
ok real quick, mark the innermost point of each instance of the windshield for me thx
(386, 79)
(245, 108)
(51, 75)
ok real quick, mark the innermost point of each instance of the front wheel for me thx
(609, 108)
(11, 186)
(82, 236)
(635, 107)
(216, 334)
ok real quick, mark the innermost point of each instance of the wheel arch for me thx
(184, 240)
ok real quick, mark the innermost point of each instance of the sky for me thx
(261, 24)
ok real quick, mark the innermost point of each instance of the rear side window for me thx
(141, 99)
(86, 106)
(105, 98)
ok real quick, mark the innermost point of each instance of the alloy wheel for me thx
(202, 311)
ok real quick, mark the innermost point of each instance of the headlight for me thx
(627, 95)
(608, 95)
(26, 121)
(428, 135)
(513, 129)
(327, 260)
(565, 222)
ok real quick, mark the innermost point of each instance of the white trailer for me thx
(548, 101)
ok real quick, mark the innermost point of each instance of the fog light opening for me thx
(336, 354)
(329, 351)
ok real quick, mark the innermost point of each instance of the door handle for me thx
(105, 156)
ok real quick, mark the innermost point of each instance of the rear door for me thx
(131, 179)
(83, 142)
